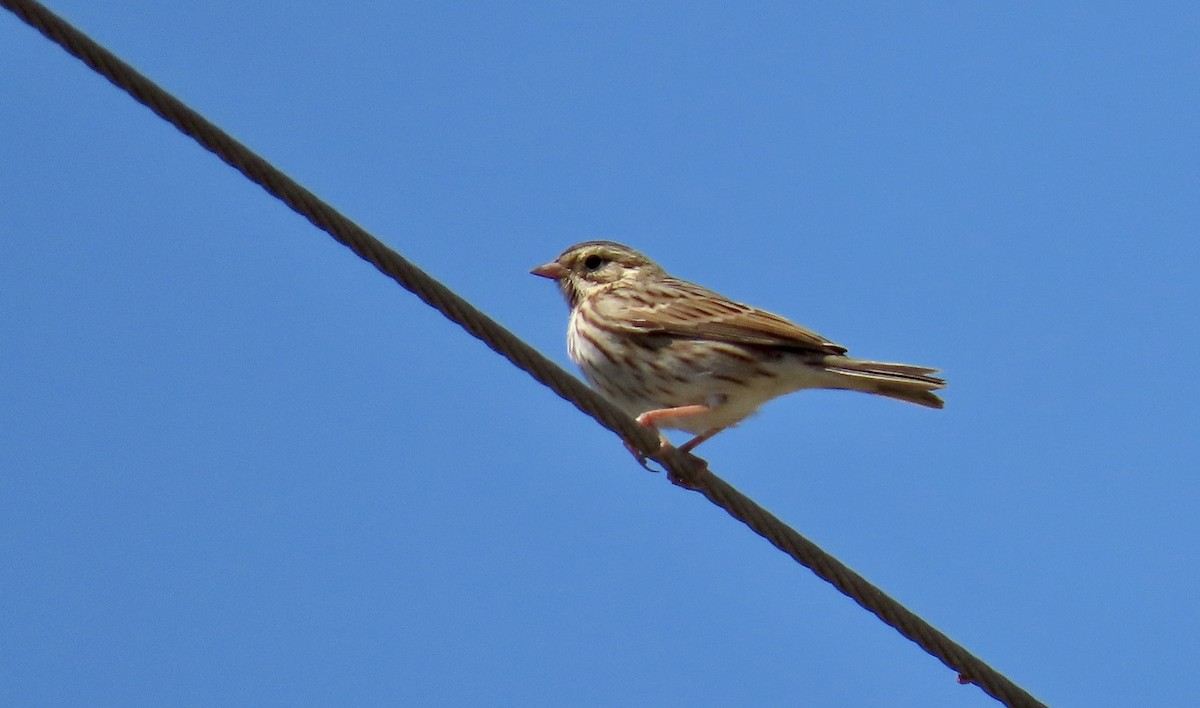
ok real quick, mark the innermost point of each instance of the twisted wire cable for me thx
(683, 469)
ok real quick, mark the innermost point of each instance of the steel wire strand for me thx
(684, 469)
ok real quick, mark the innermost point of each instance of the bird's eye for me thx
(593, 262)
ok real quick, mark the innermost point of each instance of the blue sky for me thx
(240, 467)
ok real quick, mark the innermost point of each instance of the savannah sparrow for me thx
(677, 355)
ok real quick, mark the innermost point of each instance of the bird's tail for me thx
(914, 384)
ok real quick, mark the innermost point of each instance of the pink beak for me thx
(552, 270)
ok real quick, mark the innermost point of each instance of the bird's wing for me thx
(678, 308)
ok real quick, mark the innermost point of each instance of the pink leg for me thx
(649, 418)
(690, 444)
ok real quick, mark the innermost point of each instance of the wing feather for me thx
(678, 308)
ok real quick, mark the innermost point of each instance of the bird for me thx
(673, 354)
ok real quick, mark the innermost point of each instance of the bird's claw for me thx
(684, 481)
(639, 456)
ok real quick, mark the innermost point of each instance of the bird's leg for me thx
(649, 418)
(690, 444)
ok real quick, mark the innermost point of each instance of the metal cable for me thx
(684, 469)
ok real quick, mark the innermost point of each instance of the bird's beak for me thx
(553, 270)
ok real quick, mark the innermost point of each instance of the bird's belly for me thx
(646, 373)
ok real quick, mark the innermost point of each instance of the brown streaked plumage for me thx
(678, 355)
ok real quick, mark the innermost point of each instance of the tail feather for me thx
(914, 384)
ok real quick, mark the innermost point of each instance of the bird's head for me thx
(588, 267)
